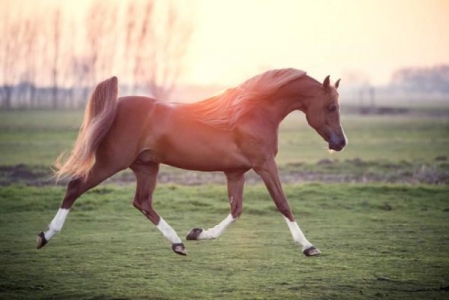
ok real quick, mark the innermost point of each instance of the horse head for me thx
(323, 114)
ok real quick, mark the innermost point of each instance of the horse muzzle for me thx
(337, 143)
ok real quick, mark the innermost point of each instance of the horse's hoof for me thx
(194, 234)
(179, 249)
(41, 241)
(311, 251)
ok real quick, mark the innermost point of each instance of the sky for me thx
(340, 38)
(236, 39)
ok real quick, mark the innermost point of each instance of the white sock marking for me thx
(297, 234)
(168, 232)
(213, 233)
(57, 223)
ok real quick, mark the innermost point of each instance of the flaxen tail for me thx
(98, 118)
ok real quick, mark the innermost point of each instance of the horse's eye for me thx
(332, 108)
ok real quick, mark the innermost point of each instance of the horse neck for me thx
(293, 96)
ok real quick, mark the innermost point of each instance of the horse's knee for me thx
(139, 205)
(146, 208)
(142, 202)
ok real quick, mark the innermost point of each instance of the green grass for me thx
(378, 241)
(371, 138)
(36, 137)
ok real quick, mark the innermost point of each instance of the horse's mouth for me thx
(335, 147)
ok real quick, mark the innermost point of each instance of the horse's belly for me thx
(211, 159)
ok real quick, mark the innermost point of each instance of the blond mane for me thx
(224, 110)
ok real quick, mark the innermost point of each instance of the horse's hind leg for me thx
(75, 189)
(146, 176)
(236, 181)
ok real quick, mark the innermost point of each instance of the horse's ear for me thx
(337, 83)
(326, 82)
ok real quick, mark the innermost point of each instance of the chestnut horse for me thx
(232, 132)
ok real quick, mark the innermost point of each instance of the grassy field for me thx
(379, 212)
(378, 241)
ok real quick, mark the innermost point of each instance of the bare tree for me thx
(74, 79)
(10, 32)
(55, 38)
(425, 80)
(170, 56)
(148, 41)
(81, 68)
(101, 25)
(31, 47)
(129, 52)
(159, 40)
(18, 59)
(138, 39)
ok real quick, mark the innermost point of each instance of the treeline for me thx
(422, 80)
(52, 59)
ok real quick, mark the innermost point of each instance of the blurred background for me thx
(386, 52)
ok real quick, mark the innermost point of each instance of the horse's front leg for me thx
(146, 175)
(236, 181)
(268, 171)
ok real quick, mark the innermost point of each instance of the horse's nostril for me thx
(343, 143)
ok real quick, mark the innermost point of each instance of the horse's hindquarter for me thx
(126, 136)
